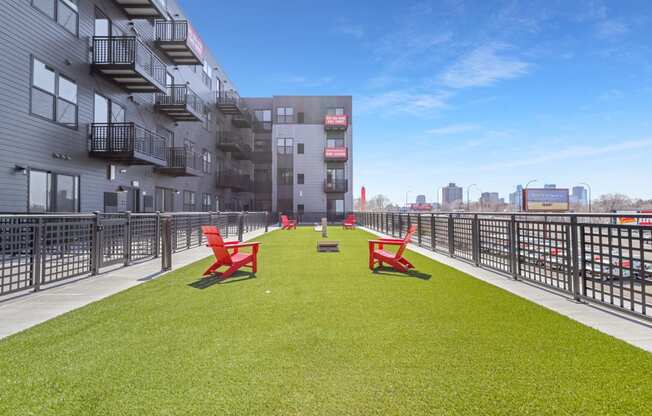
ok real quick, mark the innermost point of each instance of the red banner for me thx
(339, 153)
(336, 121)
(194, 42)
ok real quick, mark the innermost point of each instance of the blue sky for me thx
(489, 92)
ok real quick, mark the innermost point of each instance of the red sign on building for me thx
(336, 153)
(336, 122)
(194, 42)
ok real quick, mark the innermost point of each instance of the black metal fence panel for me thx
(602, 258)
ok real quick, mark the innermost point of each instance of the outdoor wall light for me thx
(123, 170)
(20, 169)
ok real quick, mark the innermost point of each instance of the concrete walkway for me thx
(618, 325)
(24, 310)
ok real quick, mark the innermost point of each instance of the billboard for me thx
(635, 220)
(546, 200)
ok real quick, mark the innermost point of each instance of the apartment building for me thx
(113, 105)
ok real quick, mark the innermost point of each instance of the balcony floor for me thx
(318, 334)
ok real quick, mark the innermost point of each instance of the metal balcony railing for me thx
(182, 158)
(336, 185)
(181, 96)
(127, 140)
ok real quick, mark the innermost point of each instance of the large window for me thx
(285, 114)
(207, 161)
(339, 111)
(107, 111)
(164, 199)
(65, 12)
(331, 143)
(53, 96)
(189, 202)
(53, 192)
(284, 146)
(207, 202)
(284, 176)
(264, 116)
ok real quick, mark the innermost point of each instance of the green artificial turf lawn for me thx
(319, 334)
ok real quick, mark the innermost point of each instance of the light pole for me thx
(588, 186)
(439, 204)
(532, 181)
(406, 199)
(468, 200)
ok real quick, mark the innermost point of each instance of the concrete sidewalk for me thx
(611, 322)
(24, 310)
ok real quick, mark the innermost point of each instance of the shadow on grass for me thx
(206, 282)
(388, 271)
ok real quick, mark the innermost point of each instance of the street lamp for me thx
(588, 186)
(468, 200)
(406, 199)
(439, 190)
(532, 181)
(525, 193)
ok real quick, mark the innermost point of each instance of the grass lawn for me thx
(319, 334)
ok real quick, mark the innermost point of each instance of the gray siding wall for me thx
(27, 140)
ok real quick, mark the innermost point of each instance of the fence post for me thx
(514, 248)
(433, 240)
(240, 226)
(166, 243)
(475, 240)
(96, 244)
(188, 231)
(127, 239)
(157, 235)
(37, 253)
(419, 233)
(400, 225)
(575, 257)
(266, 221)
(451, 235)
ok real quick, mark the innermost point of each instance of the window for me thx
(63, 11)
(285, 176)
(300, 148)
(206, 202)
(300, 208)
(111, 172)
(331, 143)
(53, 192)
(285, 146)
(207, 75)
(164, 199)
(53, 96)
(189, 201)
(207, 161)
(264, 116)
(300, 178)
(107, 111)
(284, 114)
(300, 117)
(339, 111)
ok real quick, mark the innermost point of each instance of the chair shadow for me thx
(388, 271)
(206, 282)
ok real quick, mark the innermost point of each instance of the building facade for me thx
(452, 196)
(113, 105)
(579, 197)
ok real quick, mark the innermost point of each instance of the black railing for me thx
(592, 257)
(128, 50)
(176, 95)
(231, 178)
(126, 138)
(182, 158)
(228, 98)
(171, 30)
(336, 185)
(40, 249)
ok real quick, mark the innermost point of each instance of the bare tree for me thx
(613, 202)
(378, 203)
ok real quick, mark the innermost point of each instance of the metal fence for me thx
(592, 257)
(41, 249)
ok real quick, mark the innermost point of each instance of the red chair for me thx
(229, 254)
(349, 222)
(287, 224)
(396, 260)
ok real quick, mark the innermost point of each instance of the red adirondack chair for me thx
(287, 224)
(229, 254)
(396, 260)
(349, 222)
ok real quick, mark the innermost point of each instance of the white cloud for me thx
(402, 102)
(349, 29)
(483, 66)
(608, 29)
(453, 129)
(572, 152)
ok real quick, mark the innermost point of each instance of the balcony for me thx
(336, 154)
(127, 143)
(181, 162)
(336, 186)
(229, 103)
(338, 123)
(129, 63)
(179, 42)
(229, 142)
(180, 103)
(234, 180)
(143, 9)
(243, 120)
